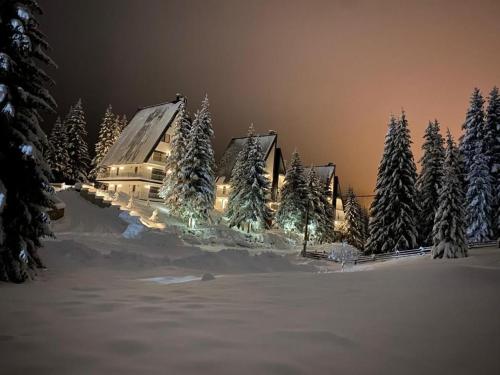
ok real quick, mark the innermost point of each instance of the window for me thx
(133, 188)
(159, 156)
(117, 171)
(157, 174)
(135, 170)
(165, 138)
(153, 192)
(224, 190)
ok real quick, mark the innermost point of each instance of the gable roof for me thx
(228, 159)
(324, 172)
(142, 134)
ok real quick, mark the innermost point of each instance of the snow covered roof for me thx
(228, 160)
(141, 136)
(325, 172)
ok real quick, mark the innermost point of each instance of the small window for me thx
(224, 189)
(117, 171)
(159, 156)
(166, 138)
(133, 187)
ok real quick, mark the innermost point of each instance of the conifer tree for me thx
(290, 215)
(197, 174)
(316, 210)
(252, 188)
(109, 131)
(171, 189)
(449, 222)
(429, 180)
(492, 153)
(402, 199)
(57, 153)
(123, 122)
(326, 229)
(473, 129)
(24, 173)
(479, 198)
(354, 220)
(380, 239)
(77, 145)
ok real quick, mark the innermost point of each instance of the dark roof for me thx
(142, 134)
(325, 172)
(228, 159)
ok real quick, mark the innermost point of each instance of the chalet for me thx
(327, 175)
(275, 167)
(135, 164)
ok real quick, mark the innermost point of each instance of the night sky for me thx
(325, 74)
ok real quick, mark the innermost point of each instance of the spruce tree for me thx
(24, 174)
(290, 215)
(171, 189)
(252, 189)
(77, 145)
(449, 222)
(429, 180)
(326, 229)
(109, 131)
(479, 198)
(354, 220)
(492, 152)
(316, 209)
(380, 239)
(122, 122)
(197, 172)
(402, 199)
(473, 129)
(57, 153)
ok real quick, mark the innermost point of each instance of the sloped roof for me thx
(324, 172)
(142, 134)
(228, 160)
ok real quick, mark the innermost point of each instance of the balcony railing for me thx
(156, 175)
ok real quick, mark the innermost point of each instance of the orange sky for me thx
(325, 74)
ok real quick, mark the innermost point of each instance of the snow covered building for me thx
(327, 174)
(275, 167)
(135, 164)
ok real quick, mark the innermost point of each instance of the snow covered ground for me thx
(93, 312)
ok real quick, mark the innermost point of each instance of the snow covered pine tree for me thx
(109, 131)
(326, 231)
(380, 239)
(492, 150)
(429, 180)
(198, 178)
(171, 189)
(473, 126)
(24, 174)
(449, 223)
(291, 212)
(57, 153)
(249, 195)
(77, 145)
(354, 220)
(316, 208)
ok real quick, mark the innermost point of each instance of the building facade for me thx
(135, 164)
(275, 167)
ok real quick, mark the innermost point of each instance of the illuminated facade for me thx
(135, 164)
(275, 167)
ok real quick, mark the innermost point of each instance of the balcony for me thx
(155, 174)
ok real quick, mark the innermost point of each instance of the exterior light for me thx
(119, 185)
(169, 171)
(122, 168)
(147, 186)
(150, 168)
(113, 168)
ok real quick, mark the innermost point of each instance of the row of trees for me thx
(67, 153)
(455, 198)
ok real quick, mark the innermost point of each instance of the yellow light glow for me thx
(147, 186)
(122, 168)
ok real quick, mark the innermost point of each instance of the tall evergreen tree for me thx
(24, 174)
(402, 193)
(291, 212)
(380, 239)
(492, 152)
(326, 231)
(57, 153)
(198, 187)
(479, 197)
(429, 180)
(171, 189)
(316, 209)
(449, 222)
(123, 122)
(109, 131)
(252, 187)
(473, 128)
(77, 145)
(354, 220)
